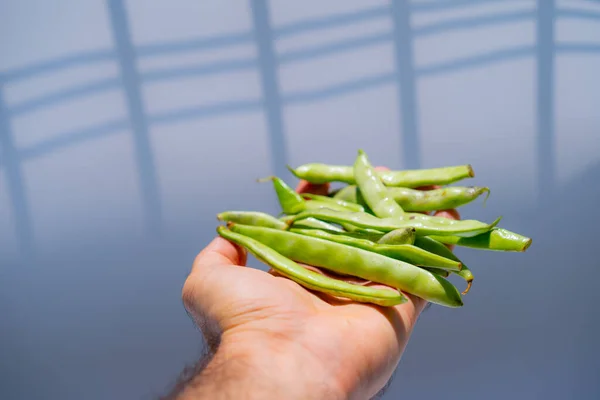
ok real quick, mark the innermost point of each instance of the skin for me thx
(270, 338)
(419, 200)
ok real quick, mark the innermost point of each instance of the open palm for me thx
(357, 345)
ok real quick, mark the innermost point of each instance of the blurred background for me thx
(125, 126)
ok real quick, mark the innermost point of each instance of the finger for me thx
(450, 214)
(219, 252)
(411, 309)
(313, 188)
(428, 187)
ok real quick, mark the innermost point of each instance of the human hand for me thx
(272, 338)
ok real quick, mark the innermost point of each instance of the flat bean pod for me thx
(252, 218)
(422, 200)
(293, 203)
(323, 173)
(440, 272)
(373, 190)
(370, 235)
(431, 218)
(403, 252)
(359, 230)
(318, 204)
(310, 279)
(289, 201)
(311, 223)
(497, 239)
(356, 262)
(464, 228)
(339, 202)
(433, 246)
(399, 236)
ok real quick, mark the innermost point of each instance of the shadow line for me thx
(230, 107)
(269, 76)
(89, 57)
(407, 93)
(330, 22)
(221, 67)
(336, 90)
(16, 186)
(545, 100)
(476, 61)
(64, 95)
(579, 48)
(577, 14)
(150, 195)
(211, 42)
(448, 5)
(334, 48)
(471, 22)
(73, 138)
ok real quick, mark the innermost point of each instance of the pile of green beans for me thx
(376, 228)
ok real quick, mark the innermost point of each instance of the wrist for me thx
(255, 367)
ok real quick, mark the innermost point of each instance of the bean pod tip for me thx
(469, 284)
(266, 179)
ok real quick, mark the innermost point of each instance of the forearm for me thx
(260, 373)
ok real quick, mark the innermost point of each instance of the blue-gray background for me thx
(126, 126)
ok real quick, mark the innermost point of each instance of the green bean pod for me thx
(404, 252)
(466, 228)
(311, 223)
(399, 236)
(292, 203)
(310, 279)
(323, 173)
(431, 218)
(318, 204)
(341, 203)
(497, 239)
(359, 230)
(433, 246)
(441, 272)
(366, 234)
(252, 218)
(357, 262)
(373, 190)
(289, 201)
(422, 200)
